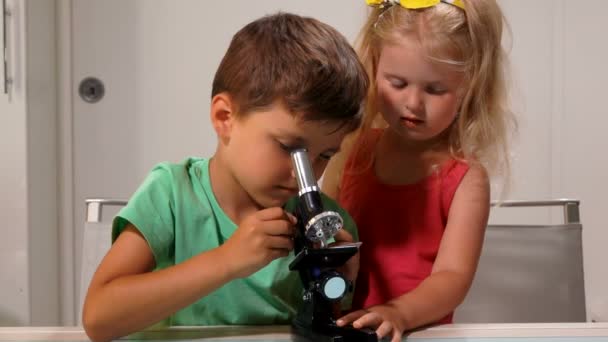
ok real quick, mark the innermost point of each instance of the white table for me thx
(549, 332)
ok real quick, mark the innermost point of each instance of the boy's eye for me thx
(285, 147)
(288, 148)
(326, 156)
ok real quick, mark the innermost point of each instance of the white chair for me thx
(96, 242)
(529, 273)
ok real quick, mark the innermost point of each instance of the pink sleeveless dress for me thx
(400, 226)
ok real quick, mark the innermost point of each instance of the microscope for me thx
(316, 262)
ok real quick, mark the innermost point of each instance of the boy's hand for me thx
(385, 319)
(261, 237)
(351, 267)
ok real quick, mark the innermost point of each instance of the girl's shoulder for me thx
(455, 169)
(361, 146)
(463, 174)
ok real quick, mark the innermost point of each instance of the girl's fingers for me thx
(384, 329)
(370, 319)
(344, 320)
(397, 336)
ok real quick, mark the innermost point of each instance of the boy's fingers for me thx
(343, 236)
(278, 227)
(278, 253)
(280, 242)
(273, 213)
(291, 217)
(276, 213)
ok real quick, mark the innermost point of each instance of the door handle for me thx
(91, 89)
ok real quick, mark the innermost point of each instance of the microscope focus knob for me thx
(323, 226)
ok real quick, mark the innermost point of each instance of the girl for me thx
(415, 176)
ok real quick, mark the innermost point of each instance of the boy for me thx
(217, 232)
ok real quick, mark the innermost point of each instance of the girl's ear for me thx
(222, 115)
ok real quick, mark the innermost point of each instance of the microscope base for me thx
(333, 333)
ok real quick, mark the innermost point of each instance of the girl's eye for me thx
(397, 83)
(436, 90)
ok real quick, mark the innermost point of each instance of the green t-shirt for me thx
(178, 215)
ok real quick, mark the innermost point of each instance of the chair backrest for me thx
(529, 273)
(96, 242)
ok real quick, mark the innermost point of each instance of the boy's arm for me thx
(125, 296)
(453, 269)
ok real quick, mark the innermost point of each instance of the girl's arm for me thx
(333, 172)
(452, 272)
(125, 296)
(331, 177)
(459, 252)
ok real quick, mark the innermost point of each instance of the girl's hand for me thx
(260, 238)
(385, 319)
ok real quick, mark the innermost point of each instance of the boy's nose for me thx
(293, 173)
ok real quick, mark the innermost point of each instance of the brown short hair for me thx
(306, 64)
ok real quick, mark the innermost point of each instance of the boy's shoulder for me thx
(176, 176)
(179, 169)
(171, 190)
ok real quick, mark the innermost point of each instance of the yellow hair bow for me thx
(414, 4)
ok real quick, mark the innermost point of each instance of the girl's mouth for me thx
(410, 122)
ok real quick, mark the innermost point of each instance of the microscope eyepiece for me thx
(320, 225)
(303, 170)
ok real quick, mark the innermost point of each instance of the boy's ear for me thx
(222, 115)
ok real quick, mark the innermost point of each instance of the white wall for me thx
(584, 117)
(558, 58)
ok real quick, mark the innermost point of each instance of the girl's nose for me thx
(413, 99)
